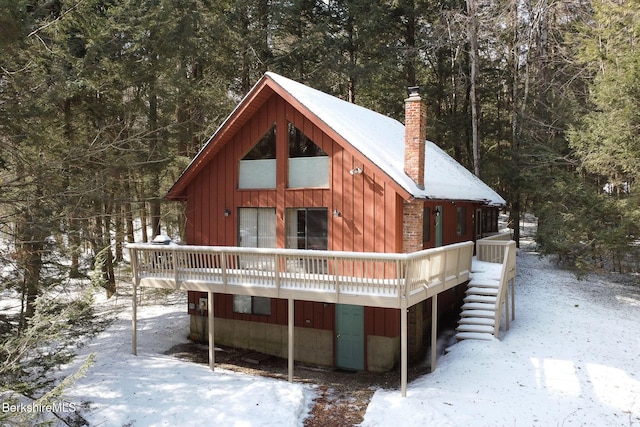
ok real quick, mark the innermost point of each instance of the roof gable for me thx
(380, 139)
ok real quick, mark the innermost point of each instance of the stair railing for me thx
(508, 271)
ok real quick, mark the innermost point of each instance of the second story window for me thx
(257, 227)
(307, 228)
(258, 166)
(308, 163)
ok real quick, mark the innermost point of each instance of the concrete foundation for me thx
(313, 346)
(383, 353)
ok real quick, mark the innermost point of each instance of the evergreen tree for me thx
(605, 136)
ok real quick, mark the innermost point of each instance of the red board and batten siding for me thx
(307, 314)
(370, 210)
(450, 221)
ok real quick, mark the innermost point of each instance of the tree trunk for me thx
(514, 214)
(472, 15)
(143, 221)
(32, 253)
(103, 243)
(154, 145)
(119, 229)
(410, 39)
(29, 247)
(129, 211)
(74, 247)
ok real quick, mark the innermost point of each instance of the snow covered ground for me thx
(572, 357)
(153, 389)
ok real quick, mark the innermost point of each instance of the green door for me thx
(350, 336)
(438, 226)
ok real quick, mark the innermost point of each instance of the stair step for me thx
(479, 313)
(481, 298)
(474, 336)
(479, 283)
(482, 291)
(476, 321)
(475, 328)
(479, 306)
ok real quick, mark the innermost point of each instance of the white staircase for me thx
(487, 293)
(477, 320)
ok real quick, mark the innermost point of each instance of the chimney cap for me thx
(414, 91)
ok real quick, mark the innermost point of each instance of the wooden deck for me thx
(373, 279)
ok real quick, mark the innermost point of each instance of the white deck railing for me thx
(377, 279)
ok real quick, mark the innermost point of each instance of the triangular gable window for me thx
(302, 146)
(265, 148)
(308, 163)
(258, 166)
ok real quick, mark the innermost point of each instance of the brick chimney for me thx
(415, 135)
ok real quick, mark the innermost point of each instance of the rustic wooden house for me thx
(292, 167)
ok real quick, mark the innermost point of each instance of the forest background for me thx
(104, 102)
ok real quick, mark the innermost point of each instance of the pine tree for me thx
(605, 137)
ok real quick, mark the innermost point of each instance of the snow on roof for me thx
(381, 140)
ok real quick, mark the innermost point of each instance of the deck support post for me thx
(513, 298)
(212, 343)
(290, 338)
(507, 310)
(403, 346)
(434, 331)
(134, 319)
(134, 302)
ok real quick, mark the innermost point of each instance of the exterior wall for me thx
(449, 221)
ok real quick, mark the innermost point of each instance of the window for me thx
(265, 148)
(462, 220)
(252, 305)
(307, 228)
(490, 220)
(308, 163)
(256, 229)
(258, 166)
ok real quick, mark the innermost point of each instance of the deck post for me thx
(403, 346)
(434, 331)
(513, 298)
(134, 302)
(134, 320)
(506, 303)
(212, 343)
(290, 338)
